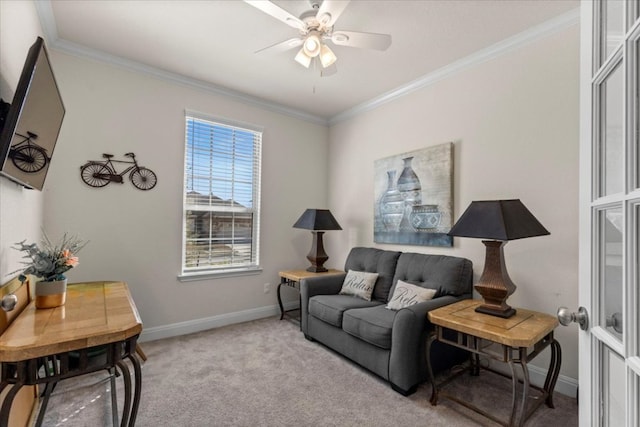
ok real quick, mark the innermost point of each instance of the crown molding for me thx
(510, 44)
(547, 28)
(47, 21)
(85, 52)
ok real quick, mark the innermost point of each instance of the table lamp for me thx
(498, 221)
(318, 221)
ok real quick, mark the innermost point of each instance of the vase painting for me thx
(411, 191)
(51, 294)
(417, 207)
(424, 217)
(391, 205)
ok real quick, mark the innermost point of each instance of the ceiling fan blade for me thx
(278, 13)
(282, 46)
(330, 11)
(363, 40)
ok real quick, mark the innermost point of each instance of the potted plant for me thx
(49, 262)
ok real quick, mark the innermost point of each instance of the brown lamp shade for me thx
(318, 221)
(497, 221)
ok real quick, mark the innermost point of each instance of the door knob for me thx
(615, 321)
(9, 302)
(565, 317)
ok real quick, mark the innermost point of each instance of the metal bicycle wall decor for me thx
(96, 173)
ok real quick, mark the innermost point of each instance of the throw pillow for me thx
(407, 294)
(359, 284)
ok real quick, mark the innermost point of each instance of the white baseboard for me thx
(197, 325)
(565, 385)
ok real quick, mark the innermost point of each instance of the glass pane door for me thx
(612, 15)
(610, 274)
(611, 138)
(610, 268)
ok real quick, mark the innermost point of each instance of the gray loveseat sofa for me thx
(389, 343)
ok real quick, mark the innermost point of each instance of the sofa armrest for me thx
(420, 310)
(321, 285)
(318, 285)
(410, 328)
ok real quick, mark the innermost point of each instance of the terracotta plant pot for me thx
(51, 294)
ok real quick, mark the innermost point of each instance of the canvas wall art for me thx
(414, 197)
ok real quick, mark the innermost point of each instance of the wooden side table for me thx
(515, 340)
(97, 317)
(292, 278)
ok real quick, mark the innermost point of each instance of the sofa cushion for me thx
(449, 275)
(359, 284)
(373, 325)
(378, 261)
(406, 294)
(330, 308)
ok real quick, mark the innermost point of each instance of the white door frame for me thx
(593, 341)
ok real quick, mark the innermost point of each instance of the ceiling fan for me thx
(316, 28)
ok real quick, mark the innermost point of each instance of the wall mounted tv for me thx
(30, 125)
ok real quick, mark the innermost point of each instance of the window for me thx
(221, 197)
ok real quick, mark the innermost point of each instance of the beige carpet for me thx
(264, 373)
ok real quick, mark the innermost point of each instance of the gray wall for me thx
(135, 235)
(514, 124)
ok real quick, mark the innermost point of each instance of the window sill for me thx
(207, 275)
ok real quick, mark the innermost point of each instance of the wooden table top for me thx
(297, 275)
(95, 313)
(524, 329)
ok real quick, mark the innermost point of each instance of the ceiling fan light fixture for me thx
(302, 58)
(324, 19)
(327, 57)
(312, 45)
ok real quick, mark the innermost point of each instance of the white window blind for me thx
(221, 197)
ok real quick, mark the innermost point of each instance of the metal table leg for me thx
(525, 387)
(138, 388)
(280, 298)
(434, 389)
(8, 401)
(126, 407)
(114, 400)
(48, 388)
(553, 372)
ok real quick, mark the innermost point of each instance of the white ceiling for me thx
(213, 42)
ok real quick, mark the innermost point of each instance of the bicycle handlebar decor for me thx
(98, 173)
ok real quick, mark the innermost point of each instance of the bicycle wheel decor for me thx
(28, 158)
(143, 178)
(95, 174)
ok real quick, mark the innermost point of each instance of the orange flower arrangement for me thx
(51, 261)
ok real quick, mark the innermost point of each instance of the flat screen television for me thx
(30, 125)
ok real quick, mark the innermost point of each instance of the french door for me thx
(609, 343)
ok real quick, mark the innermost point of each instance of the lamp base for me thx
(495, 285)
(314, 269)
(317, 256)
(505, 314)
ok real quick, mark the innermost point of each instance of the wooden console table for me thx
(515, 340)
(97, 329)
